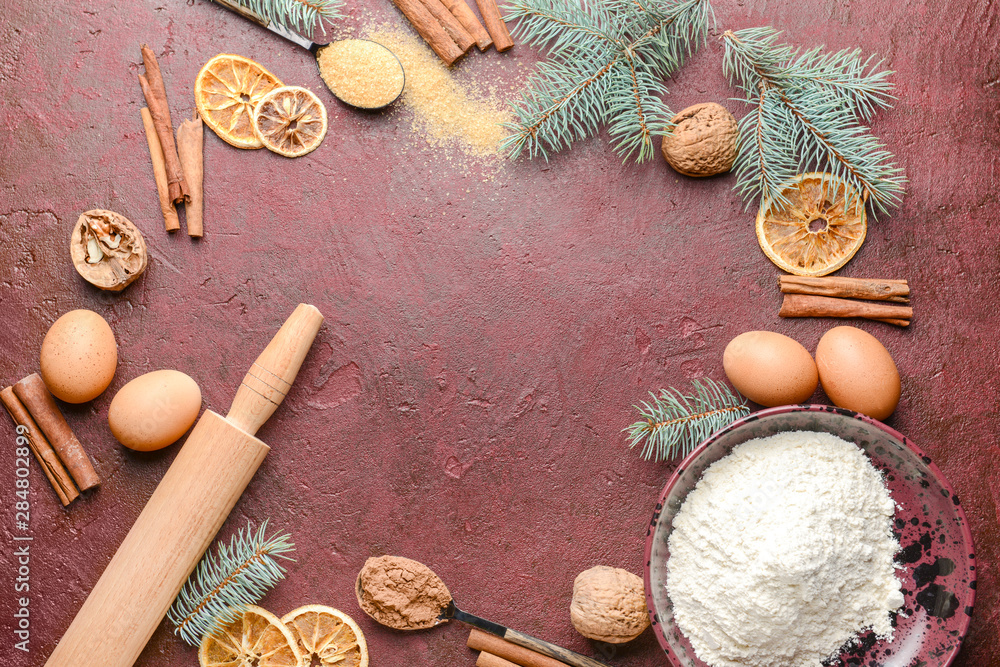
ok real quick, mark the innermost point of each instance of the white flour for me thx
(783, 553)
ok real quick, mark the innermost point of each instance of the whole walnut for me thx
(609, 605)
(703, 141)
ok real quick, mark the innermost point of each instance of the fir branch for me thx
(562, 24)
(676, 422)
(807, 118)
(608, 59)
(636, 111)
(844, 75)
(223, 585)
(297, 15)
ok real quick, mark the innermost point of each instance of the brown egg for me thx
(770, 369)
(79, 356)
(154, 410)
(857, 372)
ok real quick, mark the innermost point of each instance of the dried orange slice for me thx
(290, 121)
(327, 634)
(226, 91)
(817, 232)
(256, 637)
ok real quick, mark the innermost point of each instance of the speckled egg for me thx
(770, 369)
(857, 372)
(79, 356)
(154, 410)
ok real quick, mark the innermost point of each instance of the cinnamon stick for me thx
(451, 25)
(190, 142)
(461, 10)
(156, 100)
(36, 398)
(490, 660)
(483, 641)
(60, 480)
(494, 23)
(807, 305)
(872, 289)
(429, 28)
(160, 173)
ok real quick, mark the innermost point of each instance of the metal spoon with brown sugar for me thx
(407, 595)
(359, 72)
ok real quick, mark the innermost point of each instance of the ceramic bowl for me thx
(937, 559)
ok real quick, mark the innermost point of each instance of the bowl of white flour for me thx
(806, 536)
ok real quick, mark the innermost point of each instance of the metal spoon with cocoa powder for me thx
(407, 595)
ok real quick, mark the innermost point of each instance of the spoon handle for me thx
(277, 29)
(559, 653)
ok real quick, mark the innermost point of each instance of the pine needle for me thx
(297, 15)
(221, 587)
(808, 109)
(676, 422)
(608, 59)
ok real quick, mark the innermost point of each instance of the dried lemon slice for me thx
(256, 637)
(226, 91)
(816, 233)
(327, 634)
(290, 121)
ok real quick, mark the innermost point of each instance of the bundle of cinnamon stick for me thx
(38, 420)
(177, 167)
(874, 299)
(450, 27)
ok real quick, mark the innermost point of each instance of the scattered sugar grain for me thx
(445, 111)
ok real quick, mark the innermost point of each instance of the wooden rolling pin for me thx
(185, 512)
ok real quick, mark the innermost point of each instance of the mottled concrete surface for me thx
(487, 331)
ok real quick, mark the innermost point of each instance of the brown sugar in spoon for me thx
(407, 595)
(359, 72)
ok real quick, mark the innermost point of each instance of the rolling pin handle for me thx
(271, 376)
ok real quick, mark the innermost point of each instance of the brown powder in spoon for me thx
(401, 593)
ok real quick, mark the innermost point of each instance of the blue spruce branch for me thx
(297, 15)
(222, 585)
(607, 62)
(675, 423)
(808, 109)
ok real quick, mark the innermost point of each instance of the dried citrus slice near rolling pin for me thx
(327, 634)
(255, 637)
(816, 232)
(290, 121)
(227, 90)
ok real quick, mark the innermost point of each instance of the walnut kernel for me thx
(703, 141)
(609, 605)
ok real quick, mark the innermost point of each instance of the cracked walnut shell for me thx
(609, 605)
(107, 249)
(703, 141)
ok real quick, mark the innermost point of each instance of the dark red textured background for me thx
(487, 331)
